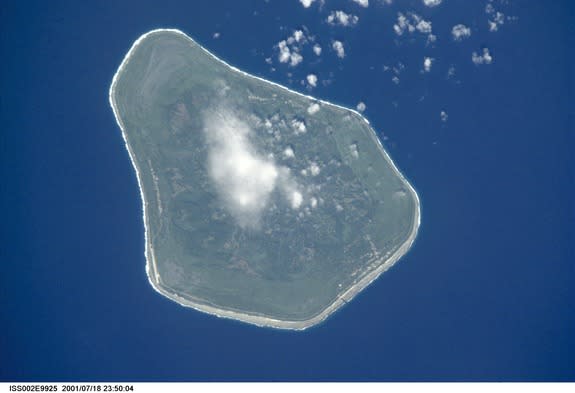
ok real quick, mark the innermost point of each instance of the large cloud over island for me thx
(244, 178)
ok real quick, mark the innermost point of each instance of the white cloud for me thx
(432, 3)
(289, 49)
(354, 150)
(284, 52)
(295, 59)
(306, 3)
(460, 32)
(443, 116)
(483, 58)
(317, 49)
(342, 19)
(298, 35)
(244, 179)
(314, 169)
(363, 3)
(498, 20)
(411, 23)
(427, 62)
(299, 126)
(296, 199)
(338, 48)
(288, 152)
(423, 26)
(313, 108)
(401, 25)
(312, 80)
(360, 106)
(396, 70)
(313, 202)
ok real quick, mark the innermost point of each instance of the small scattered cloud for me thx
(306, 3)
(317, 49)
(489, 9)
(298, 126)
(496, 18)
(295, 59)
(402, 25)
(296, 199)
(288, 55)
(443, 116)
(313, 108)
(313, 202)
(423, 26)
(396, 70)
(360, 106)
(314, 169)
(483, 58)
(284, 52)
(427, 63)
(353, 149)
(362, 3)
(288, 152)
(411, 23)
(460, 32)
(340, 18)
(337, 46)
(289, 49)
(216, 35)
(432, 3)
(311, 80)
(297, 36)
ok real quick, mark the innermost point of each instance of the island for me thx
(260, 204)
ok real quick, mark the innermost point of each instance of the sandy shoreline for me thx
(259, 320)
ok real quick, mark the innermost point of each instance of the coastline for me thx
(259, 320)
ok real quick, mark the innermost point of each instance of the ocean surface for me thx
(486, 293)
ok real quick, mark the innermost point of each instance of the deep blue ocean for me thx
(486, 293)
